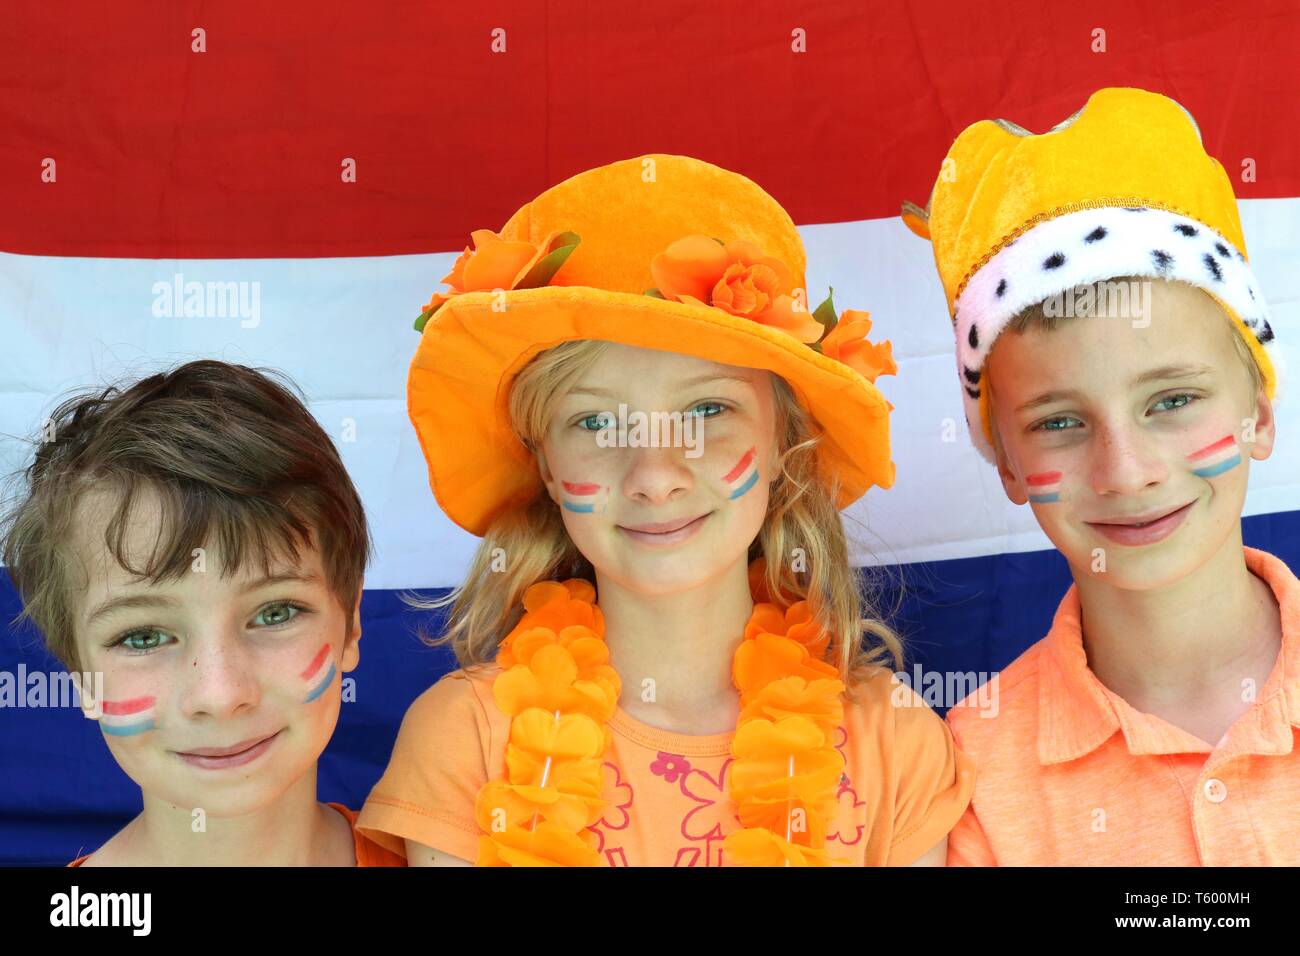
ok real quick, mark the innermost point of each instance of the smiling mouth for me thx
(226, 752)
(1140, 524)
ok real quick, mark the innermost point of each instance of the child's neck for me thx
(1183, 652)
(674, 652)
(295, 830)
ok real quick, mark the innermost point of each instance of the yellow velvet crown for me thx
(1126, 147)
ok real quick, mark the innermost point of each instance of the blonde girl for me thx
(666, 658)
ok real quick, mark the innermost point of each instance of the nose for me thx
(221, 679)
(657, 475)
(1124, 460)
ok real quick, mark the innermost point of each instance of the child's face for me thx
(206, 665)
(1103, 423)
(717, 478)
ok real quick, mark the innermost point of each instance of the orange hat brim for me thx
(459, 383)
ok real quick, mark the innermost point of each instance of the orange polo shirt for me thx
(1070, 774)
(904, 785)
(368, 852)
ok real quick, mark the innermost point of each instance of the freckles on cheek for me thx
(743, 474)
(319, 674)
(1215, 458)
(128, 717)
(584, 497)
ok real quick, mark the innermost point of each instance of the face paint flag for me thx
(743, 476)
(583, 497)
(1215, 459)
(318, 675)
(125, 718)
(1044, 488)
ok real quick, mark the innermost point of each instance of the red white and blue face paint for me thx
(584, 497)
(319, 673)
(744, 475)
(1215, 459)
(1045, 487)
(126, 718)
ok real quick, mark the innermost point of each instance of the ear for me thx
(88, 693)
(352, 644)
(1265, 427)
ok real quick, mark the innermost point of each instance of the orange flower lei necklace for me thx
(560, 691)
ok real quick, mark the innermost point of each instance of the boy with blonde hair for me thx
(1119, 368)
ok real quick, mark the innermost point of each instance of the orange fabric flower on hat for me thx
(496, 263)
(847, 343)
(737, 278)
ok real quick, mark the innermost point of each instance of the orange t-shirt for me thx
(1070, 774)
(369, 853)
(904, 786)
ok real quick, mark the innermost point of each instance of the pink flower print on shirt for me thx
(616, 817)
(670, 766)
(710, 820)
(847, 803)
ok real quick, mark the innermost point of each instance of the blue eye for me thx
(1171, 398)
(1050, 425)
(279, 612)
(142, 640)
(602, 417)
(718, 405)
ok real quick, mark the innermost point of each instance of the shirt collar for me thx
(1077, 713)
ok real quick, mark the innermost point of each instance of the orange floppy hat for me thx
(658, 251)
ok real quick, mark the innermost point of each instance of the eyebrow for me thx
(689, 383)
(134, 601)
(1165, 373)
(130, 602)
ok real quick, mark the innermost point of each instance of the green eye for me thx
(142, 640)
(1187, 400)
(281, 613)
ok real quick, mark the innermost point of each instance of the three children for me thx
(665, 655)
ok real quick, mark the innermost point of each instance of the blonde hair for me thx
(801, 514)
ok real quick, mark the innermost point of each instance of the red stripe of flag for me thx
(319, 659)
(740, 467)
(163, 152)
(1214, 449)
(121, 708)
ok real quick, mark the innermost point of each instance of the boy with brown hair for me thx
(193, 551)
(1119, 368)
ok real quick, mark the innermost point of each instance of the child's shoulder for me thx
(464, 692)
(458, 710)
(883, 710)
(1003, 709)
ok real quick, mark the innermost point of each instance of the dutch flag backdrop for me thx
(330, 160)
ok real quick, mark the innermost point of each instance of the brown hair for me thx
(801, 514)
(232, 454)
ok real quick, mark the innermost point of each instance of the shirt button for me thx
(1215, 791)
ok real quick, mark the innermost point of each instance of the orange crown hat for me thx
(1122, 187)
(658, 251)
